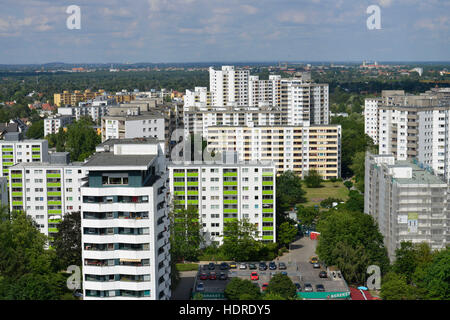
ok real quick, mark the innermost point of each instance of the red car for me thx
(254, 276)
(264, 286)
(203, 276)
(212, 276)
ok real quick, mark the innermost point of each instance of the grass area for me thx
(187, 267)
(330, 189)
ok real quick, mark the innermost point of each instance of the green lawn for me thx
(187, 266)
(330, 189)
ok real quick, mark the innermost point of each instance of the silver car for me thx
(242, 266)
(308, 287)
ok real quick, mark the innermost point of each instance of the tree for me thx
(67, 241)
(238, 288)
(185, 233)
(282, 285)
(358, 168)
(289, 193)
(307, 215)
(395, 287)
(349, 237)
(355, 201)
(239, 240)
(286, 233)
(436, 276)
(348, 184)
(328, 202)
(81, 139)
(36, 130)
(313, 179)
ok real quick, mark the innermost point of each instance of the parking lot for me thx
(298, 268)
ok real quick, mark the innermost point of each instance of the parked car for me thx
(224, 266)
(78, 294)
(298, 286)
(204, 267)
(313, 259)
(282, 266)
(316, 265)
(262, 266)
(200, 287)
(308, 287)
(264, 286)
(243, 266)
(211, 266)
(203, 276)
(320, 288)
(252, 266)
(284, 273)
(323, 274)
(254, 276)
(212, 276)
(233, 265)
(223, 276)
(272, 266)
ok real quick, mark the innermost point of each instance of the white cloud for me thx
(249, 9)
(293, 16)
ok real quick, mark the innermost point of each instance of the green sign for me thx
(324, 295)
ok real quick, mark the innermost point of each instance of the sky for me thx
(131, 31)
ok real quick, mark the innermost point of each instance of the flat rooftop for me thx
(146, 140)
(419, 175)
(102, 159)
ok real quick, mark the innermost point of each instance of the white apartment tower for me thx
(125, 234)
(229, 86)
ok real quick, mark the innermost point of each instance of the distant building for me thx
(52, 124)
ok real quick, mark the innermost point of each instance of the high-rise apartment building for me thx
(125, 226)
(229, 86)
(295, 148)
(227, 192)
(408, 202)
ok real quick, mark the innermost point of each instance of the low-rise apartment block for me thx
(295, 148)
(52, 124)
(227, 192)
(17, 150)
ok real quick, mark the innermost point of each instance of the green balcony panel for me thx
(17, 185)
(17, 194)
(54, 220)
(230, 201)
(17, 203)
(178, 174)
(267, 174)
(7, 156)
(230, 192)
(267, 237)
(52, 230)
(17, 176)
(179, 193)
(36, 149)
(229, 219)
(192, 174)
(193, 202)
(54, 193)
(8, 163)
(36, 156)
(178, 184)
(267, 183)
(54, 202)
(230, 174)
(230, 183)
(268, 210)
(53, 175)
(267, 192)
(192, 183)
(267, 219)
(230, 210)
(267, 228)
(267, 200)
(54, 184)
(55, 211)
(192, 193)
(7, 149)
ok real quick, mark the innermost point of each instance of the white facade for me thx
(229, 86)
(371, 124)
(125, 235)
(227, 192)
(22, 151)
(46, 192)
(53, 123)
(408, 202)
